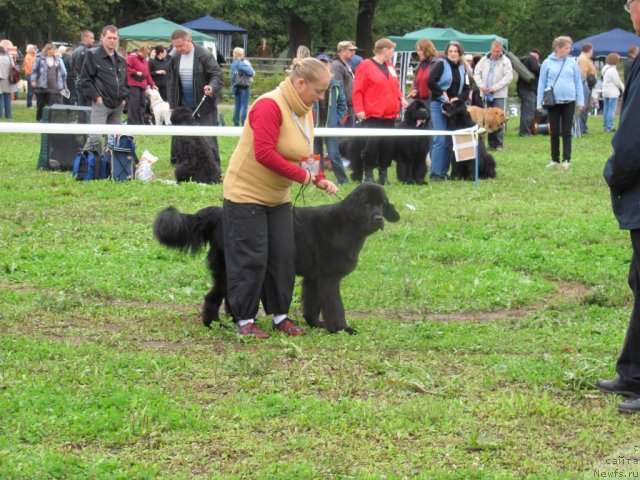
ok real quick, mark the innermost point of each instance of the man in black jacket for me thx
(622, 173)
(527, 92)
(194, 80)
(77, 59)
(103, 81)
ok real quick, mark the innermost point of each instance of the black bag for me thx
(242, 80)
(591, 81)
(548, 99)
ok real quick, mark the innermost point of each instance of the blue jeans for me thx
(337, 164)
(241, 106)
(442, 144)
(609, 112)
(5, 104)
(584, 115)
(527, 111)
(30, 94)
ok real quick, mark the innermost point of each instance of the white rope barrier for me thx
(176, 130)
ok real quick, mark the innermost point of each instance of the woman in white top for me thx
(612, 88)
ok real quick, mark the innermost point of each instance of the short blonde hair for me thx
(145, 49)
(383, 43)
(238, 53)
(309, 69)
(561, 42)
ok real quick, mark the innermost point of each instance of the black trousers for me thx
(628, 366)
(46, 99)
(259, 253)
(378, 151)
(561, 120)
(136, 106)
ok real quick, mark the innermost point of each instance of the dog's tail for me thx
(186, 232)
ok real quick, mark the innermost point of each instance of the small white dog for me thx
(159, 107)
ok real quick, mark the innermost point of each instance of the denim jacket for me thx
(39, 72)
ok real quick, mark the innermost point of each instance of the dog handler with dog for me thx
(275, 150)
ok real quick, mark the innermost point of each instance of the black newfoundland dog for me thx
(328, 241)
(459, 118)
(192, 157)
(411, 152)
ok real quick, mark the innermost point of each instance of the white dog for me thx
(159, 107)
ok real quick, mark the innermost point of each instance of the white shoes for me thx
(553, 165)
(566, 165)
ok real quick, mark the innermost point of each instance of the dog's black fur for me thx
(459, 118)
(192, 157)
(411, 152)
(351, 149)
(328, 241)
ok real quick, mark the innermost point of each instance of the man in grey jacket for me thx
(622, 173)
(493, 74)
(342, 72)
(194, 79)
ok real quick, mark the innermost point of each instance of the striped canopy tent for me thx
(158, 32)
(222, 30)
(406, 44)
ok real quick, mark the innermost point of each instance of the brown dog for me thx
(491, 118)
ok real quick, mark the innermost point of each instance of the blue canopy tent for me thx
(616, 40)
(222, 30)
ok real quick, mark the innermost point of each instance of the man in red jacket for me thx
(377, 100)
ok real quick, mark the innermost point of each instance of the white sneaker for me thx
(566, 165)
(553, 165)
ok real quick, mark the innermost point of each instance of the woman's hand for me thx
(328, 186)
(403, 102)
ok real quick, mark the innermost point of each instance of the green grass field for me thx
(484, 317)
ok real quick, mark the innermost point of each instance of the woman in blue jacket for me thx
(330, 112)
(561, 73)
(48, 78)
(240, 92)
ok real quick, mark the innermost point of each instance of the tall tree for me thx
(364, 24)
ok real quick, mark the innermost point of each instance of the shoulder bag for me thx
(549, 99)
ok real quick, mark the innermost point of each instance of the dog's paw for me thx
(350, 330)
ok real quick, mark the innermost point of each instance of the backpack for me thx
(120, 153)
(89, 165)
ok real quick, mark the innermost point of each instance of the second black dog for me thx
(459, 118)
(411, 152)
(192, 157)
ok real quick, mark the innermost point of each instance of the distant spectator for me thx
(48, 79)
(527, 92)
(158, 67)
(241, 93)
(87, 40)
(328, 113)
(27, 67)
(560, 73)
(355, 61)
(612, 88)
(139, 80)
(589, 79)
(5, 87)
(428, 56)
(493, 74)
(632, 53)
(263, 51)
(69, 93)
(342, 71)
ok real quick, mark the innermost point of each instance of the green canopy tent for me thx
(158, 32)
(406, 44)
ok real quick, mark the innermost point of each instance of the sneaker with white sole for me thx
(553, 165)
(566, 165)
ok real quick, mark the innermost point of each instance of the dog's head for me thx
(182, 116)
(417, 115)
(369, 206)
(494, 119)
(457, 114)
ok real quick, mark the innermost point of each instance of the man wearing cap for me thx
(527, 92)
(342, 72)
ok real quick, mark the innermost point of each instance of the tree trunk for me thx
(364, 36)
(299, 34)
